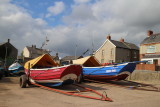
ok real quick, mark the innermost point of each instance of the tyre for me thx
(23, 81)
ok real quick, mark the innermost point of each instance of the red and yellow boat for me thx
(43, 69)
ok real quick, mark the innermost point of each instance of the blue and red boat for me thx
(111, 72)
(93, 70)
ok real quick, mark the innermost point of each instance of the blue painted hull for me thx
(113, 72)
(16, 70)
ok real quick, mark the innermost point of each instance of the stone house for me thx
(56, 58)
(113, 51)
(33, 52)
(69, 60)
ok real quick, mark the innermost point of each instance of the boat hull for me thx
(16, 68)
(54, 75)
(114, 72)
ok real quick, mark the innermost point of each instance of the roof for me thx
(89, 61)
(53, 57)
(154, 38)
(119, 44)
(132, 46)
(43, 61)
(36, 50)
(125, 45)
(2, 43)
(70, 58)
(152, 56)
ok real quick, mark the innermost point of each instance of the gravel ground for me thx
(11, 95)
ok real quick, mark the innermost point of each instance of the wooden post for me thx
(28, 71)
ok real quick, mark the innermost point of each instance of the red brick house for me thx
(150, 50)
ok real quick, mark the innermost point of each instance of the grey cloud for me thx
(86, 23)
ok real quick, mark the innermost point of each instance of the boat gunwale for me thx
(52, 67)
(110, 65)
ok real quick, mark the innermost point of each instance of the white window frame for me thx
(151, 49)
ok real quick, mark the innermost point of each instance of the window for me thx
(102, 61)
(135, 54)
(112, 52)
(151, 49)
(110, 61)
(128, 54)
(102, 53)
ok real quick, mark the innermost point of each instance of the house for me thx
(69, 59)
(33, 52)
(56, 58)
(8, 53)
(113, 51)
(150, 48)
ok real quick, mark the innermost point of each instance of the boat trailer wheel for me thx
(23, 81)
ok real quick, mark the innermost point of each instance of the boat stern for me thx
(72, 72)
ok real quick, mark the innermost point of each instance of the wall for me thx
(151, 67)
(133, 58)
(122, 55)
(143, 48)
(107, 47)
(150, 76)
(26, 52)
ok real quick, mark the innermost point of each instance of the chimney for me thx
(109, 37)
(57, 54)
(33, 46)
(149, 32)
(8, 40)
(121, 40)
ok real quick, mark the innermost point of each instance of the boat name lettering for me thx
(112, 70)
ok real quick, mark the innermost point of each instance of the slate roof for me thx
(69, 58)
(154, 38)
(2, 43)
(152, 56)
(132, 46)
(119, 44)
(124, 45)
(36, 50)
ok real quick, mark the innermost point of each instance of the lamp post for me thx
(75, 51)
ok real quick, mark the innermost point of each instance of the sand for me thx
(11, 95)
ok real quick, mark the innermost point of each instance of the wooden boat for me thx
(16, 68)
(112, 72)
(44, 70)
(93, 70)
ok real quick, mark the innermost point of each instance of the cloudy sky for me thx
(76, 25)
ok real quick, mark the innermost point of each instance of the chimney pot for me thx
(149, 33)
(109, 37)
(121, 40)
(8, 40)
(56, 54)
